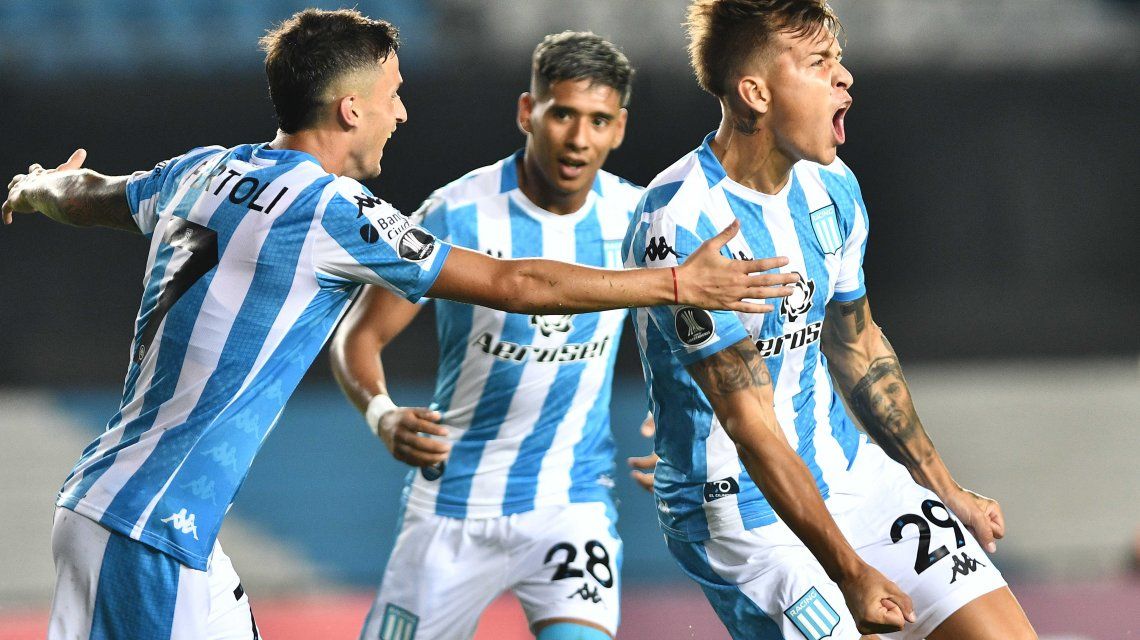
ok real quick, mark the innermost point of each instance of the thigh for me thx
(231, 615)
(110, 586)
(441, 575)
(566, 564)
(905, 531)
(765, 585)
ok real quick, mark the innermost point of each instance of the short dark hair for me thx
(305, 54)
(580, 55)
(724, 34)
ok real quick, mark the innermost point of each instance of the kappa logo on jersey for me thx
(416, 245)
(694, 326)
(963, 566)
(718, 489)
(398, 624)
(365, 202)
(826, 227)
(813, 616)
(658, 249)
(549, 324)
(182, 522)
(799, 303)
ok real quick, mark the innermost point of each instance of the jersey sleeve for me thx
(849, 284)
(656, 241)
(366, 240)
(432, 215)
(147, 191)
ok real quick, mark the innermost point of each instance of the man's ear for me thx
(623, 116)
(526, 108)
(347, 112)
(753, 93)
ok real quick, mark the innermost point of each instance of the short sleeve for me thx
(367, 240)
(147, 191)
(849, 284)
(693, 334)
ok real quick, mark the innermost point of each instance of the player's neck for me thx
(751, 159)
(315, 143)
(539, 192)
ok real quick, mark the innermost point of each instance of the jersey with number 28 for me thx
(255, 253)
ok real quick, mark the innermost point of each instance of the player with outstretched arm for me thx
(255, 252)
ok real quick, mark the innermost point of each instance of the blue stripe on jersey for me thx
(272, 280)
(683, 448)
(164, 175)
(202, 483)
(658, 197)
(136, 594)
(508, 174)
(710, 165)
(742, 617)
(463, 462)
(453, 320)
(594, 453)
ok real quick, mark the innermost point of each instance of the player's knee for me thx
(571, 631)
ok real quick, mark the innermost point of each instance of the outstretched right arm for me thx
(71, 195)
(738, 386)
(707, 280)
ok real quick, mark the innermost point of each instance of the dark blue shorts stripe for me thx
(138, 587)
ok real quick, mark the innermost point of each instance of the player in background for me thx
(255, 253)
(769, 496)
(519, 495)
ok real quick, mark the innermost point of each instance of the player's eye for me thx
(601, 122)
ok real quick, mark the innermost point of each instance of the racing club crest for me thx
(826, 227)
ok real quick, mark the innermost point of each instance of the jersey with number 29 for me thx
(527, 397)
(255, 253)
(818, 220)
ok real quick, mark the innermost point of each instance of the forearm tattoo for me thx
(857, 308)
(733, 369)
(883, 403)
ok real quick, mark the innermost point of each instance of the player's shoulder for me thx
(347, 194)
(611, 186)
(678, 194)
(836, 175)
(489, 181)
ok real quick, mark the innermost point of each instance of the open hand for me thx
(22, 186)
(404, 431)
(711, 281)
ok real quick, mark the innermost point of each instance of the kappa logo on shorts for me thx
(694, 326)
(398, 624)
(813, 616)
(416, 245)
(963, 566)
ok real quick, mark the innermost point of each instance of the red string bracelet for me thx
(674, 271)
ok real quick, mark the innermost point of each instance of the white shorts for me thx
(560, 561)
(764, 583)
(109, 586)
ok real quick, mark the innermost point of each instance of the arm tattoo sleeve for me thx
(858, 308)
(882, 400)
(733, 369)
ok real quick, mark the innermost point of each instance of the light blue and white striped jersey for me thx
(818, 220)
(255, 253)
(527, 398)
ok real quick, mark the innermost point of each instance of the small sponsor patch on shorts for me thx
(813, 616)
(398, 624)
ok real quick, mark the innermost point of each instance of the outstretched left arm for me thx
(869, 376)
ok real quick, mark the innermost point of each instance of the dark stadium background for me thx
(1001, 173)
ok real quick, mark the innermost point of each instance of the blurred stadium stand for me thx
(996, 145)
